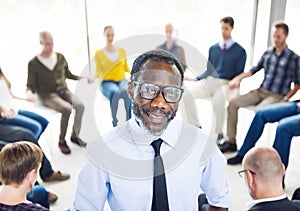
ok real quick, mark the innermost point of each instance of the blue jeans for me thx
(114, 91)
(39, 196)
(29, 120)
(288, 126)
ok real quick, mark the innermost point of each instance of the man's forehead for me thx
(158, 74)
(160, 65)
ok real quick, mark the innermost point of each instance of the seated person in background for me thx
(47, 73)
(111, 66)
(19, 164)
(287, 114)
(281, 66)
(36, 124)
(263, 172)
(171, 46)
(226, 60)
(10, 115)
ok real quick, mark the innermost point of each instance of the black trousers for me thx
(10, 134)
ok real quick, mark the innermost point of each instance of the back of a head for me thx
(155, 55)
(17, 159)
(266, 163)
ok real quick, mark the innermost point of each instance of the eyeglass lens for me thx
(150, 91)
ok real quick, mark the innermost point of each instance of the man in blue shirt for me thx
(225, 61)
(281, 67)
(122, 168)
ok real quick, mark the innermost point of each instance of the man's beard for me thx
(138, 112)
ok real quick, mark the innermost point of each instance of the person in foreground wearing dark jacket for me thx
(263, 171)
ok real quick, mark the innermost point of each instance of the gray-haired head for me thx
(44, 34)
(156, 55)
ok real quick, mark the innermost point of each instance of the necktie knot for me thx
(224, 47)
(156, 146)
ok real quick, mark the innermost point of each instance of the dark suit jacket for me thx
(279, 205)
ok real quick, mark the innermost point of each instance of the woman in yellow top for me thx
(111, 66)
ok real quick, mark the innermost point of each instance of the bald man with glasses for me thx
(263, 171)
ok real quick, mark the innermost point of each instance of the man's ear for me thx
(32, 175)
(130, 90)
(251, 181)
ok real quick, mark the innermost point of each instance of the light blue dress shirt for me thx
(228, 43)
(119, 169)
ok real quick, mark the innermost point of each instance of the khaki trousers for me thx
(63, 102)
(259, 97)
(216, 90)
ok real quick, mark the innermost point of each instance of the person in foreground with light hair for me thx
(263, 171)
(19, 164)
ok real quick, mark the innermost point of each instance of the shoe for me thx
(235, 160)
(76, 140)
(57, 176)
(64, 148)
(52, 197)
(228, 147)
(115, 123)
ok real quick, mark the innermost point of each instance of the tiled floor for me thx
(72, 163)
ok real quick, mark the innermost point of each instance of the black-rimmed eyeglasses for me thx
(242, 172)
(150, 91)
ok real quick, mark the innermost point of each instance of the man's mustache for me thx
(156, 111)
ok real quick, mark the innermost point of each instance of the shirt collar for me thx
(169, 136)
(285, 51)
(228, 43)
(254, 202)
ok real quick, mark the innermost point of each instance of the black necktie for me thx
(160, 196)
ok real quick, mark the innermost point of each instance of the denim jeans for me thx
(39, 196)
(114, 91)
(29, 120)
(288, 126)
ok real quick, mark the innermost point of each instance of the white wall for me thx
(196, 22)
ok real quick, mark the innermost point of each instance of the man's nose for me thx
(159, 101)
